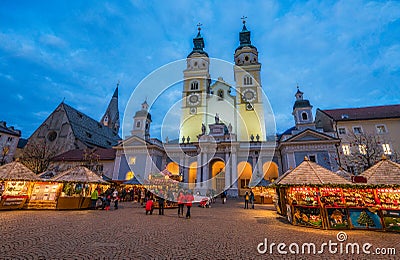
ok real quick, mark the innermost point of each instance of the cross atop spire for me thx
(118, 84)
(199, 29)
(244, 19)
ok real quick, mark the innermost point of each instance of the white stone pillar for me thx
(254, 168)
(205, 169)
(228, 173)
(260, 166)
(234, 170)
(198, 170)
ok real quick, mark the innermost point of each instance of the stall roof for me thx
(79, 174)
(17, 171)
(384, 172)
(133, 181)
(310, 173)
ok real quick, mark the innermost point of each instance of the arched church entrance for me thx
(217, 170)
(244, 170)
(192, 175)
(270, 170)
(173, 168)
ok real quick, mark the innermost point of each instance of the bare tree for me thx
(37, 155)
(365, 150)
(3, 153)
(91, 160)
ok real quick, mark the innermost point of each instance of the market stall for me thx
(16, 183)
(44, 195)
(263, 192)
(78, 184)
(308, 197)
(162, 184)
(385, 177)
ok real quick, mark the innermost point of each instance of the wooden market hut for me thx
(78, 184)
(385, 172)
(16, 182)
(298, 192)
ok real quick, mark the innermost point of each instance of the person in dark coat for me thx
(246, 200)
(161, 202)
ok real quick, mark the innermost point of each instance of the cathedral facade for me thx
(222, 143)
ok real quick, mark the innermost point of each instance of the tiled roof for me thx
(22, 142)
(79, 174)
(79, 154)
(384, 172)
(8, 129)
(16, 171)
(364, 113)
(89, 130)
(310, 173)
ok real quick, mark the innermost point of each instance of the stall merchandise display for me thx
(307, 196)
(359, 197)
(332, 197)
(388, 198)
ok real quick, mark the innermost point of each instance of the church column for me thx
(228, 174)
(234, 170)
(259, 165)
(254, 174)
(205, 167)
(198, 170)
(186, 169)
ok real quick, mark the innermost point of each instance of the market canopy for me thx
(18, 172)
(310, 173)
(384, 172)
(79, 174)
(133, 181)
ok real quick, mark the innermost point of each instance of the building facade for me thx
(366, 134)
(222, 141)
(9, 138)
(305, 139)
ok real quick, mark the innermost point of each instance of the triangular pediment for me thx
(309, 135)
(133, 141)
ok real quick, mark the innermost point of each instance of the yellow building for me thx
(366, 134)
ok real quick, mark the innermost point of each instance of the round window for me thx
(52, 136)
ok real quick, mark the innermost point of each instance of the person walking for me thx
(115, 198)
(246, 200)
(161, 201)
(252, 199)
(94, 198)
(149, 206)
(188, 199)
(223, 197)
(181, 203)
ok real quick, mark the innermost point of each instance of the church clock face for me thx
(249, 95)
(194, 99)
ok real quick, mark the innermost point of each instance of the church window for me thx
(386, 149)
(304, 116)
(357, 130)
(313, 158)
(381, 129)
(246, 58)
(247, 80)
(342, 130)
(362, 149)
(194, 85)
(129, 175)
(52, 136)
(138, 124)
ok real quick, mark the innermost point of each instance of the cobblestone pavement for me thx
(224, 231)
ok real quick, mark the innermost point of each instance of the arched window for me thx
(220, 94)
(247, 80)
(194, 85)
(138, 124)
(304, 116)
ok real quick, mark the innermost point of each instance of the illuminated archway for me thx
(129, 175)
(270, 170)
(192, 175)
(244, 170)
(218, 175)
(173, 168)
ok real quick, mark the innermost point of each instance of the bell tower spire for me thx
(249, 100)
(196, 86)
(111, 116)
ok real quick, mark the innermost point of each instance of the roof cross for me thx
(199, 26)
(244, 19)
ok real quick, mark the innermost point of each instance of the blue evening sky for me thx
(341, 53)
